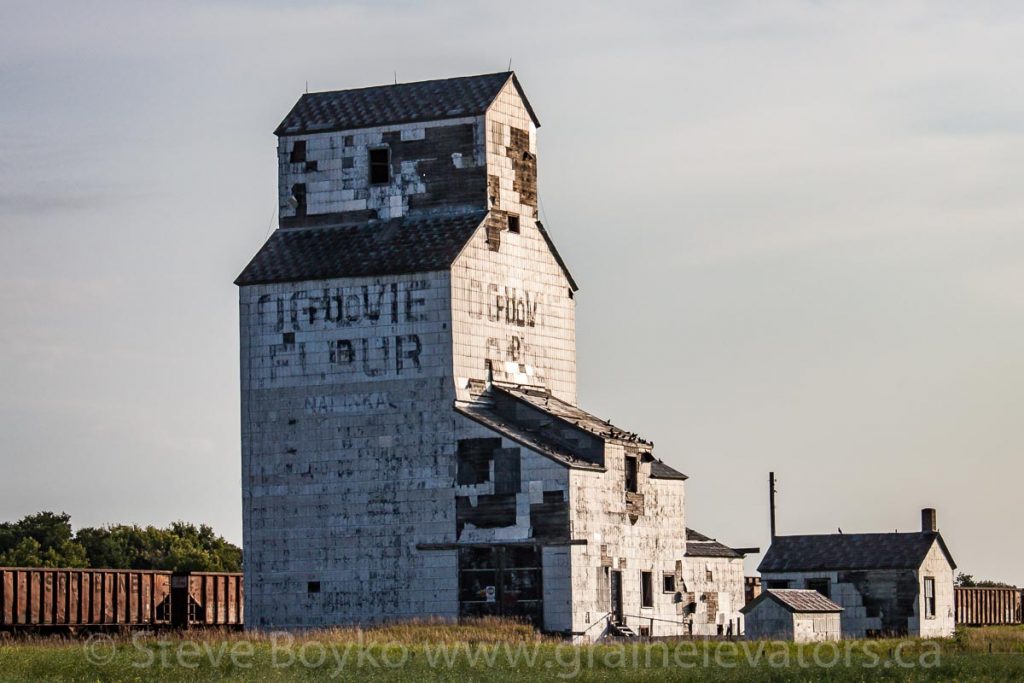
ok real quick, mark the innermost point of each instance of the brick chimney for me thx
(928, 520)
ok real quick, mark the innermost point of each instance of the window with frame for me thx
(929, 597)
(646, 589)
(380, 166)
(668, 583)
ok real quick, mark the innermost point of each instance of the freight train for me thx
(35, 599)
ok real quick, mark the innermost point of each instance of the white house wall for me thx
(936, 565)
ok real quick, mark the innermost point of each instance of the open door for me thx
(616, 591)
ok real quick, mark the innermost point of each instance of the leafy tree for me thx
(42, 540)
(45, 540)
(968, 581)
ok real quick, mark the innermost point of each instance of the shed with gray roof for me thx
(800, 615)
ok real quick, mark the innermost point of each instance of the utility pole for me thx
(771, 500)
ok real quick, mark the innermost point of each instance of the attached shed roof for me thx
(381, 105)
(699, 545)
(533, 439)
(830, 552)
(395, 247)
(796, 600)
(546, 441)
(543, 399)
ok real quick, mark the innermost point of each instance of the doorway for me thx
(616, 592)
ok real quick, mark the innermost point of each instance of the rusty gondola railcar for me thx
(45, 599)
(987, 606)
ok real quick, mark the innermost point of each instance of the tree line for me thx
(46, 539)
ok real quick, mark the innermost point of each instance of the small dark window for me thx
(631, 474)
(668, 583)
(929, 597)
(646, 590)
(298, 152)
(288, 338)
(380, 166)
(823, 586)
(709, 575)
(513, 223)
(778, 583)
(313, 587)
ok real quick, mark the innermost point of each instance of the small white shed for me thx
(800, 615)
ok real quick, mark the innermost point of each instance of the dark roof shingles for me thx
(828, 552)
(660, 470)
(699, 545)
(392, 104)
(542, 399)
(395, 247)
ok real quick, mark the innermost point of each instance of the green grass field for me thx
(501, 651)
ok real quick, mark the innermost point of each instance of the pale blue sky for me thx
(797, 227)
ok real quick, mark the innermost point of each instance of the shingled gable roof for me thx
(832, 552)
(543, 441)
(699, 545)
(403, 245)
(800, 600)
(381, 105)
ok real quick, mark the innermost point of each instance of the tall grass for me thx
(505, 651)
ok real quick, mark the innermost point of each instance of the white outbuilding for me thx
(803, 616)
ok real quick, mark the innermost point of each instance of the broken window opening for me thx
(823, 586)
(631, 474)
(646, 589)
(513, 223)
(668, 583)
(929, 597)
(313, 587)
(473, 460)
(380, 166)
(299, 198)
(298, 152)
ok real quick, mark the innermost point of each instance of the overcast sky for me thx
(797, 228)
